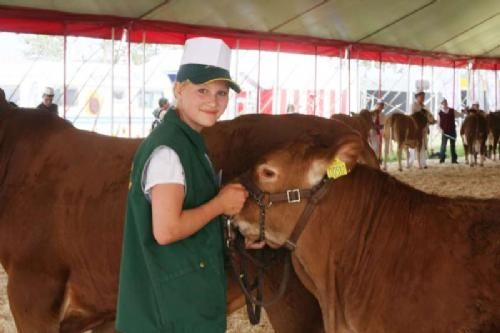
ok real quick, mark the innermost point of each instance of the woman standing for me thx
(172, 270)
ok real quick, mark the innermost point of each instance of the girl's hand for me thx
(232, 197)
(254, 245)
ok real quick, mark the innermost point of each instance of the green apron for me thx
(180, 287)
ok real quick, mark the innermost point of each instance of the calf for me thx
(408, 132)
(378, 255)
(474, 132)
(361, 122)
(493, 119)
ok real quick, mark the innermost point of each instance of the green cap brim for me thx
(199, 74)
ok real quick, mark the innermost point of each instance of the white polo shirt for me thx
(162, 167)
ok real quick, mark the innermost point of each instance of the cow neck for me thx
(358, 216)
(7, 144)
(420, 119)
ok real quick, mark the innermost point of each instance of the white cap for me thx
(380, 101)
(476, 102)
(205, 60)
(207, 51)
(48, 91)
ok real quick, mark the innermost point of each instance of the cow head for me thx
(301, 165)
(429, 117)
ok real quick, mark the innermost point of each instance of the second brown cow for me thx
(474, 132)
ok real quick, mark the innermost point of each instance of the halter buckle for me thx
(293, 196)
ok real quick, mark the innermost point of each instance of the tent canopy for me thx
(447, 29)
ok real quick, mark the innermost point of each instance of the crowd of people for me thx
(447, 119)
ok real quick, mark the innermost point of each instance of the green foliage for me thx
(49, 47)
(52, 48)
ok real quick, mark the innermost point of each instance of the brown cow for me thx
(407, 132)
(379, 255)
(62, 196)
(474, 132)
(361, 122)
(493, 119)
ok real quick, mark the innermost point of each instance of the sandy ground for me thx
(444, 179)
(6, 322)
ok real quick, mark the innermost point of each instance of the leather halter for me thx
(264, 200)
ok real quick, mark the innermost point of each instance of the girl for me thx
(172, 270)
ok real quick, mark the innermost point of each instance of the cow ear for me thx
(349, 151)
(337, 161)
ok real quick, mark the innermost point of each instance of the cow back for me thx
(474, 127)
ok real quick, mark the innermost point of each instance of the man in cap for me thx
(475, 108)
(447, 117)
(160, 112)
(47, 98)
(418, 104)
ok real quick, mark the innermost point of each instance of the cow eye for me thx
(268, 173)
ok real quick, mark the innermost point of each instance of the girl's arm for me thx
(171, 223)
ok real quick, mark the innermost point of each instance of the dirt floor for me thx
(444, 179)
(6, 322)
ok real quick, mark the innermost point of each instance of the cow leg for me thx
(476, 149)
(466, 154)
(489, 144)
(387, 147)
(417, 155)
(466, 149)
(482, 153)
(423, 157)
(386, 152)
(410, 154)
(399, 158)
(35, 299)
(495, 146)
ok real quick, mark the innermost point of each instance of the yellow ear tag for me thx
(336, 169)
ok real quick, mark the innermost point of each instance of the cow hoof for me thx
(400, 169)
(425, 167)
